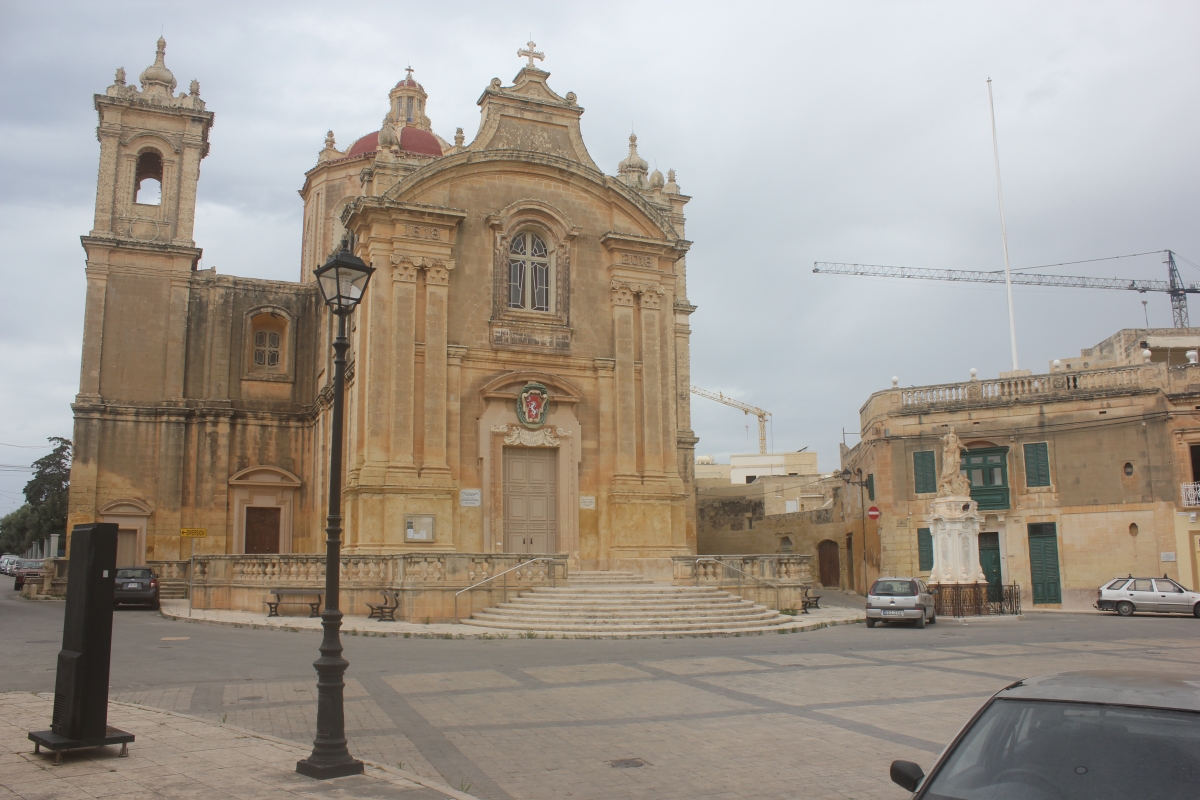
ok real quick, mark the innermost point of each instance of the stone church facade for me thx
(507, 265)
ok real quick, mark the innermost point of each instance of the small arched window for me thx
(529, 276)
(268, 344)
(148, 178)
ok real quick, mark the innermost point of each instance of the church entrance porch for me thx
(530, 500)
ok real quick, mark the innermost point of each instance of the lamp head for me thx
(343, 279)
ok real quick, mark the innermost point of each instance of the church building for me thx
(518, 378)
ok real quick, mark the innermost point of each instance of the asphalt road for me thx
(731, 717)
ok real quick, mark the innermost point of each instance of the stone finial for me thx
(656, 180)
(156, 78)
(194, 88)
(633, 168)
(119, 80)
(895, 381)
(974, 373)
(1146, 354)
(330, 142)
(458, 137)
(672, 187)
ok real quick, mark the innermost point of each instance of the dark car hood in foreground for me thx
(1119, 687)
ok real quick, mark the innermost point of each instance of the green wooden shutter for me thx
(1043, 563)
(924, 472)
(871, 487)
(1037, 464)
(925, 549)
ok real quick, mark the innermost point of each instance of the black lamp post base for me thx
(323, 772)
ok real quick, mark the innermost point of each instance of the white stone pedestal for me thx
(954, 528)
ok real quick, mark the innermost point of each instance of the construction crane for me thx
(1174, 285)
(746, 407)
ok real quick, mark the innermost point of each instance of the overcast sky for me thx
(805, 132)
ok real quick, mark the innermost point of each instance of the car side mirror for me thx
(907, 775)
(934, 591)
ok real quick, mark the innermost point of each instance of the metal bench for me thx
(809, 600)
(280, 594)
(387, 611)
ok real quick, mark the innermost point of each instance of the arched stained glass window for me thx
(529, 277)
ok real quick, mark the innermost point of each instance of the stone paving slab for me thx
(176, 755)
(815, 619)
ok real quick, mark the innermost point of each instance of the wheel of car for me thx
(1125, 608)
(1196, 610)
(870, 623)
(921, 621)
(933, 620)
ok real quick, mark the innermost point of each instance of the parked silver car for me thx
(900, 599)
(1161, 595)
(1093, 735)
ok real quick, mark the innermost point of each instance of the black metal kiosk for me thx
(81, 688)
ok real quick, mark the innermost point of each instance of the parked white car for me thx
(900, 600)
(1130, 595)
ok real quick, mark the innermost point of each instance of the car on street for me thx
(136, 586)
(1131, 595)
(900, 600)
(1091, 734)
(6, 562)
(27, 569)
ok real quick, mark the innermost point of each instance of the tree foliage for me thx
(45, 509)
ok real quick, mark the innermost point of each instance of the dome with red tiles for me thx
(412, 140)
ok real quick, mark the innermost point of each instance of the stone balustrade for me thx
(426, 582)
(1056, 385)
(776, 581)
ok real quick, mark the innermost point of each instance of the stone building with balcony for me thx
(1083, 473)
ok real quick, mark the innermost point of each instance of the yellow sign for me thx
(193, 533)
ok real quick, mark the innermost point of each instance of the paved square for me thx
(812, 715)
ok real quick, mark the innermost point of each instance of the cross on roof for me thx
(409, 70)
(530, 52)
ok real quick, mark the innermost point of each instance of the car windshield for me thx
(31, 565)
(1043, 750)
(136, 574)
(894, 588)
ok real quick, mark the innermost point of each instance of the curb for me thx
(505, 634)
(411, 777)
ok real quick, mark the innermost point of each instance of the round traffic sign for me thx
(873, 512)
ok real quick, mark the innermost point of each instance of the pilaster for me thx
(625, 402)
(403, 320)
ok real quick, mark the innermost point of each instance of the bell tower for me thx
(140, 252)
(151, 144)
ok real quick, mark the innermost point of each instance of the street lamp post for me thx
(342, 281)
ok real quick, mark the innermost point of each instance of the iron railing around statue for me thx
(977, 600)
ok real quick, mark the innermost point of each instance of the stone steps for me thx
(623, 605)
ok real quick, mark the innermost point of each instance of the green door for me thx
(989, 561)
(1043, 562)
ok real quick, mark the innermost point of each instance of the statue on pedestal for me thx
(955, 522)
(952, 482)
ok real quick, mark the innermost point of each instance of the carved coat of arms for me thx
(533, 404)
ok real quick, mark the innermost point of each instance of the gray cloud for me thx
(804, 131)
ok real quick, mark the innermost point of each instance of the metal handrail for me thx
(696, 577)
(553, 580)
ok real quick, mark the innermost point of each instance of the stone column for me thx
(177, 327)
(375, 368)
(106, 185)
(93, 334)
(454, 358)
(437, 291)
(652, 405)
(404, 316)
(605, 368)
(625, 404)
